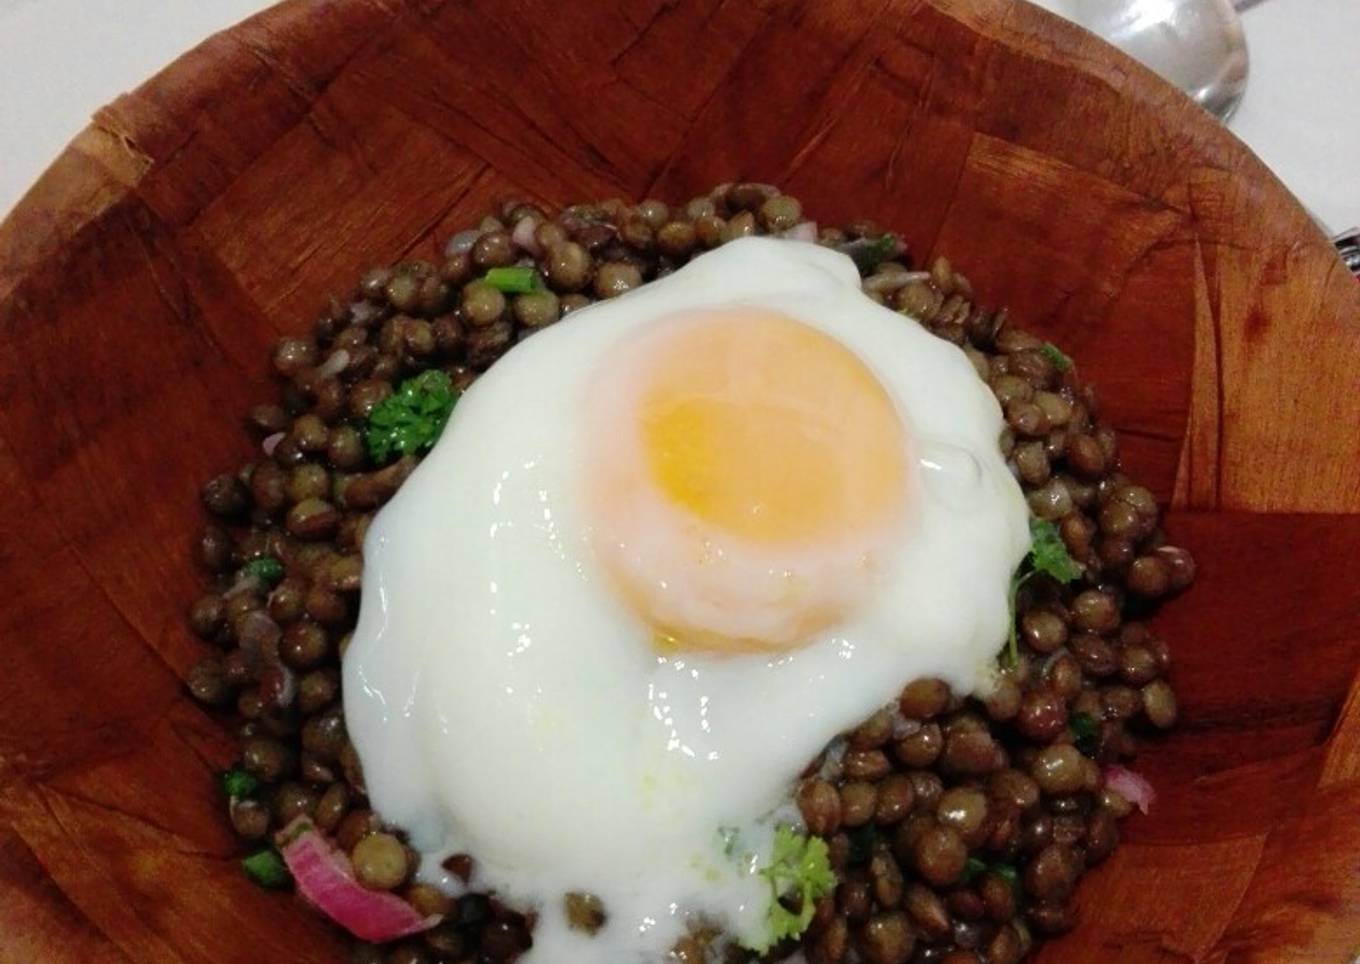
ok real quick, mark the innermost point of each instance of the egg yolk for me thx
(771, 431)
(748, 481)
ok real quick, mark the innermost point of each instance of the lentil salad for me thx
(957, 828)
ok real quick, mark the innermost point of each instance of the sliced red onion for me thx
(462, 242)
(1131, 786)
(244, 582)
(333, 365)
(802, 231)
(525, 235)
(831, 761)
(325, 879)
(364, 313)
(903, 727)
(886, 281)
(278, 685)
(271, 442)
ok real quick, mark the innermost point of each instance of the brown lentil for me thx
(380, 861)
(920, 748)
(820, 806)
(924, 698)
(896, 797)
(207, 681)
(482, 304)
(858, 803)
(940, 855)
(267, 759)
(1058, 769)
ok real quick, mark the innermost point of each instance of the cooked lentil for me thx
(958, 827)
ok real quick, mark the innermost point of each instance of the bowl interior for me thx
(144, 279)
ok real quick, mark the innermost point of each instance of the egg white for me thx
(506, 704)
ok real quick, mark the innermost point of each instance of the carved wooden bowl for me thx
(143, 280)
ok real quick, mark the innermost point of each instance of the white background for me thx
(61, 59)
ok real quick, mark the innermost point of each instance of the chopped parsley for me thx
(410, 420)
(237, 783)
(267, 869)
(515, 280)
(1048, 555)
(1008, 873)
(1054, 354)
(799, 872)
(267, 569)
(973, 869)
(1083, 729)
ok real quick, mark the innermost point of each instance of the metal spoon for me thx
(1348, 246)
(1198, 45)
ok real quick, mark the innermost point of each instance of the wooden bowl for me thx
(143, 279)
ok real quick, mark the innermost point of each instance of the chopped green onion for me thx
(514, 280)
(237, 783)
(1054, 354)
(266, 568)
(267, 869)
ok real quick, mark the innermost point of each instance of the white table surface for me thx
(61, 59)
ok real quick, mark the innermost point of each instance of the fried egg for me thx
(664, 552)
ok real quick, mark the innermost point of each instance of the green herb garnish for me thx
(972, 869)
(1054, 354)
(1048, 555)
(514, 280)
(410, 420)
(266, 568)
(267, 869)
(869, 253)
(799, 871)
(1008, 873)
(1083, 729)
(237, 783)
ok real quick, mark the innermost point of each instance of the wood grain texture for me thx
(143, 278)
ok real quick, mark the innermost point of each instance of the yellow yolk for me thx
(771, 431)
(752, 474)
